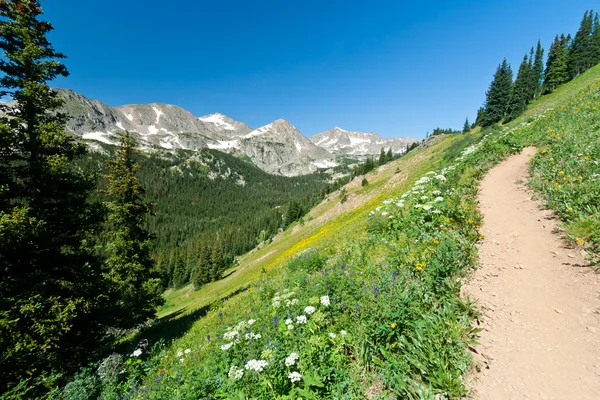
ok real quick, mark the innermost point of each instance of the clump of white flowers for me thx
(251, 321)
(137, 353)
(309, 310)
(427, 207)
(226, 346)
(291, 359)
(235, 373)
(438, 199)
(332, 335)
(256, 365)
(301, 319)
(294, 376)
(325, 301)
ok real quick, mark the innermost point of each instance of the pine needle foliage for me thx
(135, 286)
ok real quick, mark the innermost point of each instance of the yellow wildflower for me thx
(394, 325)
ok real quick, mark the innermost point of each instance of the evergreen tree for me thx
(390, 155)
(217, 262)
(537, 73)
(519, 96)
(581, 56)
(51, 287)
(466, 126)
(595, 41)
(480, 116)
(498, 95)
(382, 158)
(557, 70)
(364, 181)
(135, 287)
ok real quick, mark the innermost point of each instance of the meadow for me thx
(363, 300)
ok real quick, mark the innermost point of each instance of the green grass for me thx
(390, 260)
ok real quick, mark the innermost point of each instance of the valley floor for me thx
(539, 299)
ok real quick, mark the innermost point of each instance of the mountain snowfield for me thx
(340, 141)
(277, 147)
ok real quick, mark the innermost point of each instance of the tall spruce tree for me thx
(520, 90)
(466, 126)
(557, 69)
(498, 95)
(537, 72)
(135, 287)
(581, 56)
(480, 116)
(51, 287)
(595, 40)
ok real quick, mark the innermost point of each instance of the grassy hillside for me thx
(363, 300)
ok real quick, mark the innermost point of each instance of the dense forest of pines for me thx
(211, 207)
(567, 58)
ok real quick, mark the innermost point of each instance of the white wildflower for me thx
(423, 198)
(438, 199)
(291, 359)
(405, 195)
(235, 373)
(440, 178)
(251, 322)
(137, 353)
(436, 192)
(230, 335)
(301, 319)
(256, 365)
(181, 360)
(294, 301)
(436, 212)
(289, 321)
(417, 206)
(290, 327)
(187, 351)
(294, 376)
(427, 207)
(343, 333)
(332, 335)
(226, 346)
(400, 204)
(309, 310)
(383, 214)
(179, 353)
(325, 301)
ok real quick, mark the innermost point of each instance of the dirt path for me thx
(541, 337)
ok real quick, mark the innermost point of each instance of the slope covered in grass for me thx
(364, 301)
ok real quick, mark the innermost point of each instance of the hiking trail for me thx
(540, 300)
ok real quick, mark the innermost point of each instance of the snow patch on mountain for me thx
(258, 132)
(218, 120)
(99, 136)
(158, 112)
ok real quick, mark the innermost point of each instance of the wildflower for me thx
(332, 335)
(394, 325)
(181, 360)
(395, 274)
(226, 346)
(440, 178)
(256, 365)
(417, 206)
(427, 207)
(301, 319)
(438, 199)
(289, 321)
(436, 192)
(235, 373)
(187, 351)
(290, 327)
(325, 301)
(251, 322)
(179, 353)
(137, 353)
(309, 310)
(343, 333)
(294, 301)
(294, 376)
(383, 214)
(420, 266)
(291, 359)
(561, 173)
(436, 241)
(230, 335)
(424, 198)
(376, 291)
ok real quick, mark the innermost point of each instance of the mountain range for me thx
(278, 147)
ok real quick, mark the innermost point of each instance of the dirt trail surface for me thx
(540, 300)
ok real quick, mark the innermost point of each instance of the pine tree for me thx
(135, 287)
(595, 40)
(51, 288)
(581, 56)
(382, 156)
(498, 95)
(218, 265)
(466, 126)
(390, 155)
(537, 72)
(557, 70)
(480, 116)
(520, 91)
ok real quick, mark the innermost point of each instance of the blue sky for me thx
(397, 68)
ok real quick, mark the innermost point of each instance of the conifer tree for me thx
(390, 155)
(595, 40)
(557, 70)
(581, 55)
(135, 287)
(519, 96)
(51, 286)
(480, 116)
(537, 72)
(466, 126)
(382, 156)
(498, 95)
